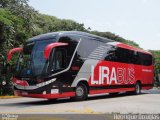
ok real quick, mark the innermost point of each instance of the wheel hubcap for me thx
(79, 91)
(137, 88)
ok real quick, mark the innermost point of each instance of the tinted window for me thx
(146, 59)
(87, 46)
(70, 48)
(117, 54)
(27, 49)
(61, 56)
(38, 56)
(59, 59)
(123, 55)
(111, 54)
(127, 56)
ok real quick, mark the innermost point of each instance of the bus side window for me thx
(59, 60)
(87, 46)
(136, 58)
(146, 59)
(122, 55)
(111, 54)
(131, 56)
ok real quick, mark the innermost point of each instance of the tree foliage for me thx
(46, 23)
(115, 37)
(7, 29)
(156, 54)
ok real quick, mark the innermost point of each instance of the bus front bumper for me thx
(44, 95)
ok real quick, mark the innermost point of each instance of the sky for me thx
(136, 20)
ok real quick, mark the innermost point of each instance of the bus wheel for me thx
(81, 92)
(138, 88)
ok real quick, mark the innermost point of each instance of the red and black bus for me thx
(75, 64)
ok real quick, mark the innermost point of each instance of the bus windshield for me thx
(31, 61)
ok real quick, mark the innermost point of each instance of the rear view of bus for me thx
(75, 64)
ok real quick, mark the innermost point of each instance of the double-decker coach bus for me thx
(75, 64)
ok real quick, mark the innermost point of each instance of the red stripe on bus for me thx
(110, 90)
(47, 96)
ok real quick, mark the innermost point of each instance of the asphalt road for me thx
(148, 102)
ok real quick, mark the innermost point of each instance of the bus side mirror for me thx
(49, 48)
(14, 50)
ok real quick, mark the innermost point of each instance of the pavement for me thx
(146, 103)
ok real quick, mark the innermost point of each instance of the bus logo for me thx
(108, 76)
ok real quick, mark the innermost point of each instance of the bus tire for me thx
(138, 88)
(81, 92)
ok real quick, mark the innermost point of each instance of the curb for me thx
(8, 97)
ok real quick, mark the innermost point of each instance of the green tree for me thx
(156, 55)
(21, 9)
(46, 23)
(114, 37)
(6, 29)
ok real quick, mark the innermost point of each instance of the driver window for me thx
(59, 60)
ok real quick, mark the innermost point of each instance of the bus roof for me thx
(133, 48)
(64, 33)
(129, 47)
